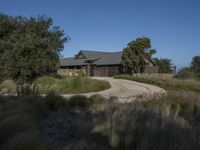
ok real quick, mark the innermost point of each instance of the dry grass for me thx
(166, 83)
(171, 122)
(18, 126)
(8, 86)
(72, 85)
(58, 84)
(168, 122)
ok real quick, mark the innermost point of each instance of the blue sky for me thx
(108, 25)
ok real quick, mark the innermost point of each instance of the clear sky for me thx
(108, 25)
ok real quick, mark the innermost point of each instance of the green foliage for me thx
(78, 101)
(81, 72)
(192, 72)
(55, 102)
(72, 85)
(195, 66)
(165, 65)
(82, 101)
(137, 54)
(29, 47)
(185, 73)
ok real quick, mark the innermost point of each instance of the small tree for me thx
(165, 65)
(137, 53)
(195, 66)
(185, 73)
(29, 47)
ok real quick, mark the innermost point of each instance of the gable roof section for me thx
(109, 58)
(71, 62)
(89, 54)
(101, 58)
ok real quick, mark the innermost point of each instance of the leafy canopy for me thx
(29, 47)
(191, 72)
(165, 65)
(137, 54)
(195, 66)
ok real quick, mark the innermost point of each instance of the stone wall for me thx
(151, 69)
(71, 72)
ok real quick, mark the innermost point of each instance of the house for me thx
(96, 63)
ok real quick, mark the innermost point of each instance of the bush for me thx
(79, 101)
(185, 73)
(55, 102)
(81, 72)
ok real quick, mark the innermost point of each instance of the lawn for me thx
(165, 83)
(61, 85)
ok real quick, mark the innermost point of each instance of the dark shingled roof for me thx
(98, 58)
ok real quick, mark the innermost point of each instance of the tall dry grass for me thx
(19, 118)
(58, 84)
(166, 83)
(79, 123)
(72, 85)
(171, 122)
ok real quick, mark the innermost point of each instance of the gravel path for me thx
(125, 90)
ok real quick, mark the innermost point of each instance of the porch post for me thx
(88, 69)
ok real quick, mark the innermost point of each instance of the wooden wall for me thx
(105, 71)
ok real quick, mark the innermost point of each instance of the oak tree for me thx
(29, 47)
(137, 53)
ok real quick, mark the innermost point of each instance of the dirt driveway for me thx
(125, 90)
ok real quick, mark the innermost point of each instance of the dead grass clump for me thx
(19, 123)
(166, 83)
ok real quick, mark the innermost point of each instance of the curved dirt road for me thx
(125, 90)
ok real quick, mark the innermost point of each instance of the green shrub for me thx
(84, 102)
(55, 102)
(79, 101)
(185, 73)
(81, 72)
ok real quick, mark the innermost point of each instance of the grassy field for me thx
(61, 85)
(167, 84)
(167, 122)
(53, 123)
(71, 85)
